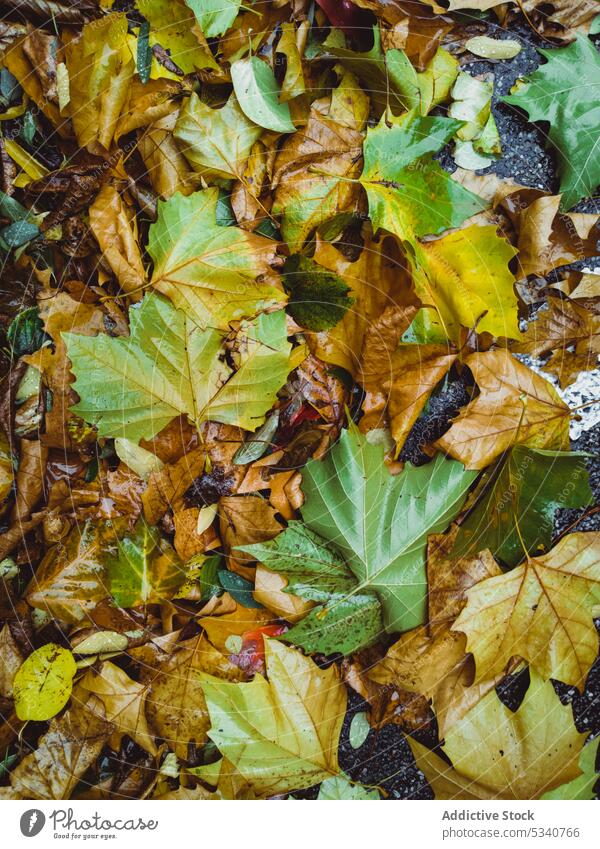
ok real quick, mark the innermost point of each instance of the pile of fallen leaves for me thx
(283, 406)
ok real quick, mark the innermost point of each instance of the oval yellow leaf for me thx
(43, 684)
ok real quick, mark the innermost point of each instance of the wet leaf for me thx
(258, 95)
(301, 709)
(542, 612)
(43, 684)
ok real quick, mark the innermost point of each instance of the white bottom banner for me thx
(302, 825)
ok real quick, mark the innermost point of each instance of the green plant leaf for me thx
(207, 270)
(347, 619)
(380, 522)
(281, 734)
(238, 588)
(409, 194)
(315, 570)
(26, 332)
(142, 568)
(520, 496)
(581, 787)
(318, 297)
(144, 53)
(214, 16)
(133, 387)
(216, 142)
(340, 787)
(359, 729)
(566, 93)
(43, 684)
(258, 94)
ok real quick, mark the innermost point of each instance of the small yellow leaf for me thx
(43, 684)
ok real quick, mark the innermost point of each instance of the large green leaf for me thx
(409, 193)
(566, 93)
(209, 271)
(380, 522)
(214, 16)
(519, 499)
(143, 568)
(346, 620)
(133, 387)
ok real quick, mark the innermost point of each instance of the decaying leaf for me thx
(516, 406)
(541, 611)
(498, 754)
(274, 425)
(64, 753)
(280, 733)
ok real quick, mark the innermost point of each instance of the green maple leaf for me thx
(566, 93)
(409, 194)
(133, 387)
(216, 142)
(520, 497)
(143, 568)
(346, 619)
(380, 522)
(208, 270)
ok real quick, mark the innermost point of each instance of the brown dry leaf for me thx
(101, 68)
(18, 62)
(400, 381)
(12, 659)
(70, 580)
(30, 478)
(557, 18)
(174, 441)
(63, 754)
(437, 668)
(498, 754)
(567, 331)
(269, 591)
(547, 238)
(114, 225)
(378, 284)
(516, 406)
(175, 705)
(167, 487)
(147, 103)
(71, 189)
(248, 207)
(413, 28)
(124, 702)
(236, 623)
(541, 611)
(60, 312)
(166, 166)
(188, 541)
(245, 520)
(449, 579)
(387, 702)
(308, 191)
